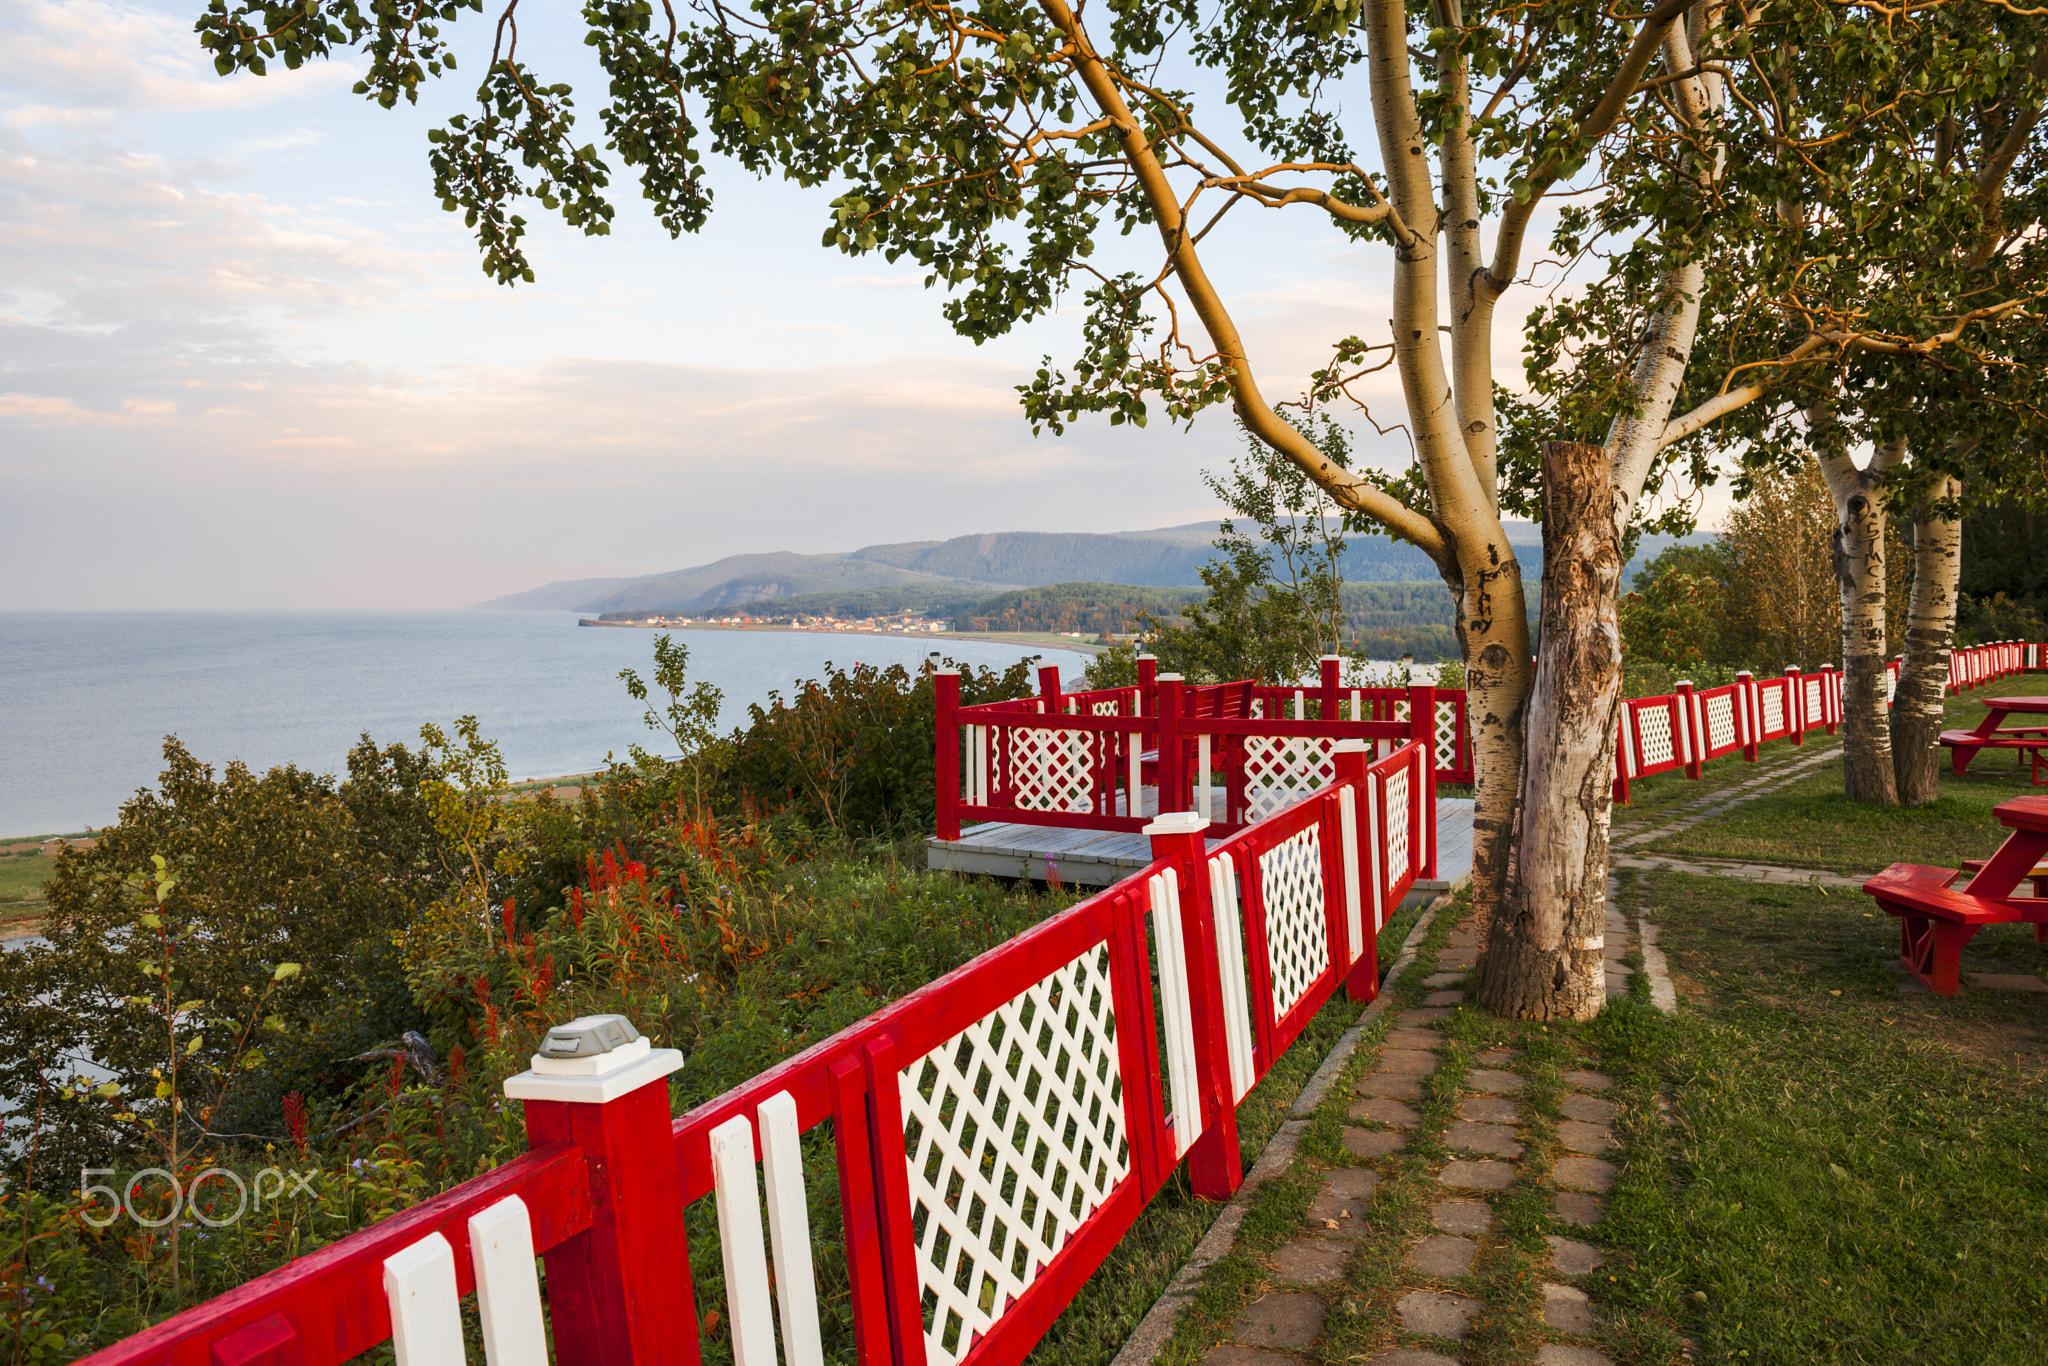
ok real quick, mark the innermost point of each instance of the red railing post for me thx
(1795, 704)
(1422, 729)
(1693, 733)
(1747, 712)
(1622, 744)
(945, 703)
(1172, 778)
(1215, 1167)
(1351, 758)
(1049, 687)
(1332, 664)
(1831, 696)
(619, 1292)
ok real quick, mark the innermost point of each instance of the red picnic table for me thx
(1936, 920)
(1992, 733)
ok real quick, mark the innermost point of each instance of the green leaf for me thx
(283, 971)
(193, 1047)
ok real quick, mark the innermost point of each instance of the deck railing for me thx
(994, 1134)
(1234, 752)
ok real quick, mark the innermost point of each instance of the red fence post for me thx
(1172, 779)
(1795, 704)
(1422, 728)
(945, 703)
(1747, 712)
(1215, 1167)
(1049, 687)
(1694, 734)
(1331, 665)
(1351, 758)
(619, 1293)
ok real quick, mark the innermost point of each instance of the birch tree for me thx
(1023, 154)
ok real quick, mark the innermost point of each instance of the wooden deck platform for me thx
(1091, 858)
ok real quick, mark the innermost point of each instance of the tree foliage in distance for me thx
(283, 867)
(1275, 599)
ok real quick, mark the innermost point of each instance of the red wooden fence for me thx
(994, 1133)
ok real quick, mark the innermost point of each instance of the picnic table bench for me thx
(1993, 733)
(1937, 918)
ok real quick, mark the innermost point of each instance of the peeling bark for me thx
(1930, 637)
(1543, 960)
(1860, 524)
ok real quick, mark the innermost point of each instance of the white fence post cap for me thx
(592, 1060)
(1177, 823)
(1351, 747)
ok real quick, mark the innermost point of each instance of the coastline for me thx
(1045, 639)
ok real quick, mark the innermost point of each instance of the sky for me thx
(246, 361)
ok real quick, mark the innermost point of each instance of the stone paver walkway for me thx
(1443, 1292)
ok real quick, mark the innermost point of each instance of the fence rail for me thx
(994, 1133)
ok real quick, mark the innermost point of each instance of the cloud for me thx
(81, 62)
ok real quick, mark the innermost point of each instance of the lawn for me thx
(1810, 824)
(1852, 1173)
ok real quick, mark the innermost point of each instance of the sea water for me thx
(86, 698)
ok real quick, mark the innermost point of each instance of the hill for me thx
(1165, 557)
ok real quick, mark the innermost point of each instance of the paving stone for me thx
(1280, 1321)
(1409, 1356)
(1422, 1016)
(2007, 981)
(1443, 1254)
(1339, 1207)
(1573, 1259)
(1590, 1109)
(1583, 1173)
(1436, 1314)
(1461, 1216)
(1497, 1057)
(1443, 979)
(1443, 998)
(1497, 1139)
(1573, 1208)
(1414, 1038)
(1585, 1138)
(1460, 963)
(1616, 947)
(1230, 1354)
(1620, 970)
(1478, 1176)
(1566, 1309)
(1557, 1354)
(1588, 1081)
(1488, 1110)
(1493, 1081)
(1411, 1062)
(1310, 1261)
(1391, 1086)
(1386, 1111)
(1372, 1143)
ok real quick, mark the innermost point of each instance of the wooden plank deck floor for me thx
(1093, 858)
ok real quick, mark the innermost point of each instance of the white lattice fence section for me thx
(1447, 710)
(1721, 720)
(1012, 1135)
(1400, 837)
(1280, 770)
(1773, 700)
(1051, 770)
(1297, 931)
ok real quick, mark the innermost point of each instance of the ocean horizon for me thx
(88, 697)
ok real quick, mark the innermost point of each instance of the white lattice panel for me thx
(1813, 699)
(1397, 822)
(1655, 733)
(1721, 720)
(1774, 710)
(1110, 708)
(1050, 770)
(1446, 732)
(1280, 770)
(1297, 933)
(1013, 1135)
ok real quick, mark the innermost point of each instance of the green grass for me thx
(1852, 1174)
(21, 878)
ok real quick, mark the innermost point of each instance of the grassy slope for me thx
(21, 878)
